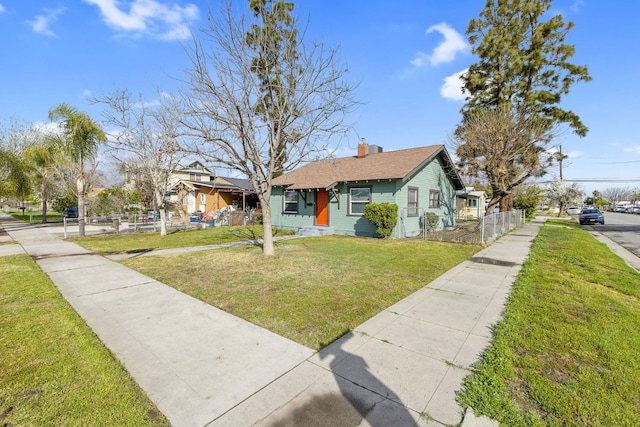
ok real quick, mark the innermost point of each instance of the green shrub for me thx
(528, 198)
(59, 203)
(432, 221)
(383, 215)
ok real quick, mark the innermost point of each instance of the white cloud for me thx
(148, 17)
(420, 60)
(445, 52)
(577, 5)
(46, 128)
(452, 87)
(2, 9)
(634, 150)
(40, 23)
(452, 44)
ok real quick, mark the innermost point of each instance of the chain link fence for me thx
(429, 226)
(141, 223)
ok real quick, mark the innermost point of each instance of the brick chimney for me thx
(363, 148)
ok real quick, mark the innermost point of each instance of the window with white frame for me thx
(412, 202)
(290, 201)
(434, 199)
(203, 199)
(472, 203)
(359, 197)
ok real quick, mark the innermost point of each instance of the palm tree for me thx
(79, 139)
(14, 180)
(41, 157)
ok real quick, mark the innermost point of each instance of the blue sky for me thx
(404, 54)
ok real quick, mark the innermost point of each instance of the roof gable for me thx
(229, 184)
(400, 164)
(195, 167)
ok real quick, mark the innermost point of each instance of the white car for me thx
(573, 210)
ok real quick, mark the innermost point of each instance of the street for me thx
(624, 229)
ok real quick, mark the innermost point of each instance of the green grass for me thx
(567, 351)
(37, 216)
(53, 370)
(140, 242)
(315, 289)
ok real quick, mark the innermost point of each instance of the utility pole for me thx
(560, 157)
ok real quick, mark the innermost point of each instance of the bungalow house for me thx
(471, 203)
(196, 189)
(332, 193)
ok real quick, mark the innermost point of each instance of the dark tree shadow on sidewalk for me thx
(364, 398)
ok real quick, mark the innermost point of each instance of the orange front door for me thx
(322, 207)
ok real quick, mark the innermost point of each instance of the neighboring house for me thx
(471, 203)
(213, 194)
(194, 172)
(333, 192)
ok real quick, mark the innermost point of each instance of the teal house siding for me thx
(399, 177)
(432, 177)
(289, 221)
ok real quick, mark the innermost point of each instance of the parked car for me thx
(573, 210)
(591, 216)
(70, 212)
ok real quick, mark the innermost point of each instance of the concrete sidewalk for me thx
(403, 366)
(202, 366)
(194, 361)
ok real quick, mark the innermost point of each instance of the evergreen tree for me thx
(274, 43)
(524, 66)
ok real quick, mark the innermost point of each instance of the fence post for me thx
(424, 225)
(482, 230)
(64, 220)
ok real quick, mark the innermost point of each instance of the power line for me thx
(618, 163)
(602, 180)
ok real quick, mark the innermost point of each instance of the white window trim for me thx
(350, 204)
(413, 205)
(284, 202)
(431, 199)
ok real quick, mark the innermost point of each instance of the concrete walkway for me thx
(194, 361)
(202, 366)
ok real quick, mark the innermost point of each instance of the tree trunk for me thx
(267, 239)
(491, 206)
(80, 189)
(43, 193)
(560, 208)
(162, 207)
(506, 204)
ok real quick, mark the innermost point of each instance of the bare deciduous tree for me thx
(145, 134)
(523, 62)
(505, 146)
(616, 194)
(259, 101)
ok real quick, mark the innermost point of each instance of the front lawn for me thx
(566, 352)
(315, 289)
(36, 216)
(53, 370)
(141, 242)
